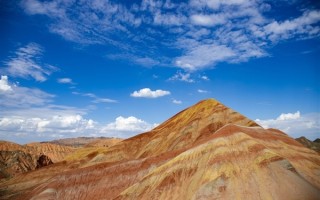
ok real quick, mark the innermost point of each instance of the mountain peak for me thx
(211, 101)
(181, 131)
(209, 110)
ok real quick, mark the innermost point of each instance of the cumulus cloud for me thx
(128, 124)
(295, 124)
(25, 63)
(148, 93)
(42, 124)
(51, 124)
(29, 113)
(289, 116)
(204, 32)
(126, 127)
(4, 86)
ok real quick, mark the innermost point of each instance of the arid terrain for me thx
(16, 159)
(207, 151)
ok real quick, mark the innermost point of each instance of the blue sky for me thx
(117, 68)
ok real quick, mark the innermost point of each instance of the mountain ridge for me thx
(207, 151)
(184, 129)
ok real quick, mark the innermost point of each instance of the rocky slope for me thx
(16, 159)
(55, 152)
(179, 132)
(15, 162)
(207, 151)
(314, 145)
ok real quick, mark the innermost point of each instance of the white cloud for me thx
(289, 116)
(128, 124)
(104, 100)
(38, 121)
(46, 8)
(299, 26)
(206, 78)
(202, 91)
(180, 76)
(202, 32)
(95, 98)
(216, 4)
(65, 81)
(198, 33)
(126, 127)
(53, 124)
(295, 124)
(148, 93)
(146, 61)
(176, 101)
(207, 20)
(4, 86)
(26, 63)
(169, 19)
(46, 123)
(28, 113)
(32, 127)
(19, 97)
(204, 55)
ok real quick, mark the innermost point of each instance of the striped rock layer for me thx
(207, 151)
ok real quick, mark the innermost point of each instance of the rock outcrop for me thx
(16, 159)
(15, 162)
(43, 161)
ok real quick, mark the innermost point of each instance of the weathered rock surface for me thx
(16, 159)
(55, 152)
(15, 162)
(43, 161)
(207, 151)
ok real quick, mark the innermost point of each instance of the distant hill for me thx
(86, 141)
(317, 140)
(315, 145)
(16, 159)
